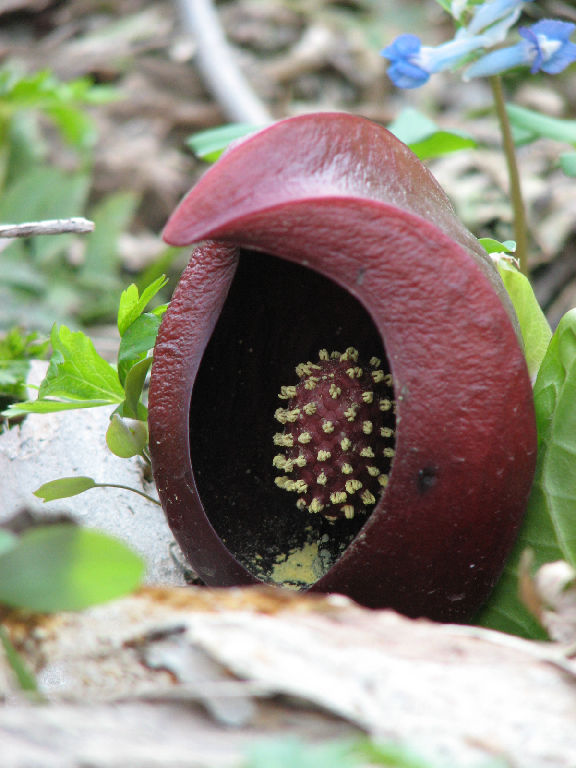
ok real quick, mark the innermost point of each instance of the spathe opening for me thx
(277, 315)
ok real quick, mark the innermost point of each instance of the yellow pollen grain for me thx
(385, 404)
(323, 455)
(309, 408)
(279, 461)
(304, 438)
(287, 392)
(322, 479)
(373, 471)
(348, 510)
(353, 485)
(368, 397)
(345, 444)
(303, 369)
(367, 427)
(285, 440)
(315, 505)
(335, 391)
(310, 383)
(282, 481)
(367, 497)
(389, 453)
(301, 486)
(375, 362)
(301, 503)
(346, 469)
(383, 480)
(328, 427)
(300, 461)
(335, 355)
(289, 466)
(280, 415)
(350, 412)
(386, 431)
(388, 380)
(338, 497)
(367, 452)
(323, 354)
(378, 376)
(292, 416)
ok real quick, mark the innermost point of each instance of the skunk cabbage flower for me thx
(339, 400)
(546, 47)
(412, 64)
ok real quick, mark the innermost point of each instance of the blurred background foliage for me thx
(98, 99)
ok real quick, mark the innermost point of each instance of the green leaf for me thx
(441, 143)
(7, 540)
(49, 406)
(126, 437)
(289, 753)
(536, 332)
(67, 568)
(423, 136)
(568, 163)
(77, 372)
(138, 339)
(132, 304)
(549, 528)
(531, 125)
(495, 246)
(64, 487)
(24, 676)
(132, 408)
(209, 145)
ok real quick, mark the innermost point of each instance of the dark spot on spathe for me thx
(427, 478)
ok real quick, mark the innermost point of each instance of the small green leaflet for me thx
(67, 568)
(126, 437)
(549, 529)
(132, 304)
(64, 487)
(536, 332)
(136, 341)
(495, 246)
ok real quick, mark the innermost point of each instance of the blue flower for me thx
(505, 12)
(412, 63)
(545, 47)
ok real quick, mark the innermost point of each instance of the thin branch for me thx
(218, 66)
(77, 225)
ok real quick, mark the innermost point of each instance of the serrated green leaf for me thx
(549, 528)
(138, 339)
(64, 487)
(132, 304)
(126, 437)
(536, 333)
(77, 372)
(67, 568)
(209, 145)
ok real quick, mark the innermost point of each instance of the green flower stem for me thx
(520, 232)
(127, 488)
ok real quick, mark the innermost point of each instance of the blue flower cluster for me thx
(545, 46)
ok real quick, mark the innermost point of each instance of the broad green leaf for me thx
(530, 125)
(67, 568)
(126, 437)
(495, 246)
(23, 675)
(77, 372)
(568, 163)
(7, 540)
(549, 528)
(441, 143)
(209, 145)
(132, 304)
(536, 332)
(49, 406)
(132, 408)
(137, 341)
(64, 487)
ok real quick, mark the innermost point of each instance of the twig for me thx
(48, 227)
(218, 66)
